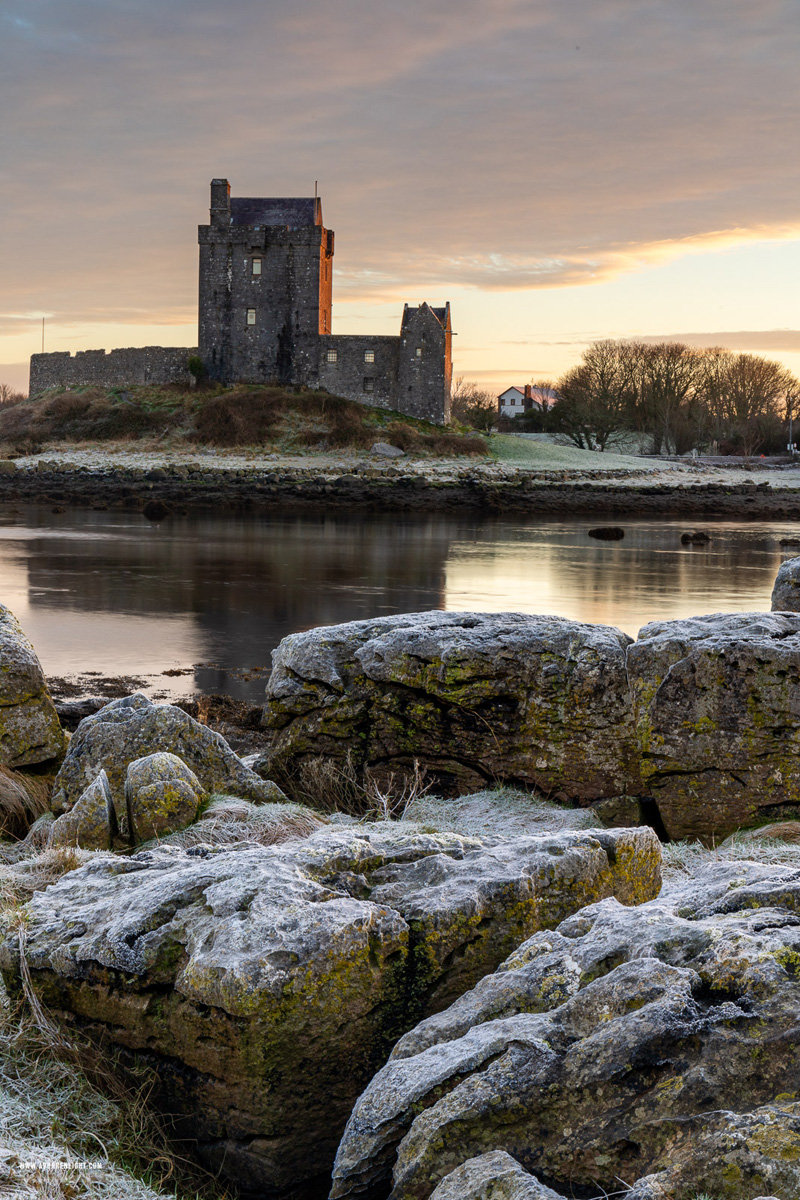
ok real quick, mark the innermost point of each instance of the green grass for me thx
(549, 456)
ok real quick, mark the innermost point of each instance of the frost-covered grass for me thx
(62, 1138)
(549, 456)
(497, 812)
(684, 858)
(227, 820)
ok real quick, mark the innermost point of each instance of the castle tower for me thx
(425, 363)
(266, 275)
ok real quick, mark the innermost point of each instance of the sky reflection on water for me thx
(110, 593)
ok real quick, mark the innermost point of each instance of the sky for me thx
(559, 170)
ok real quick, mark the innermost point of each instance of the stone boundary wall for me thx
(117, 368)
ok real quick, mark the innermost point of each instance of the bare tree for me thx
(471, 405)
(668, 378)
(9, 396)
(594, 400)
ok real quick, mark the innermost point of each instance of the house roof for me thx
(515, 390)
(294, 212)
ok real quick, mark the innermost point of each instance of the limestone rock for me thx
(786, 592)
(717, 707)
(91, 823)
(29, 728)
(269, 983)
(133, 728)
(386, 450)
(492, 1176)
(655, 1044)
(539, 700)
(161, 794)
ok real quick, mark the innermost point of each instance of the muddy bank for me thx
(160, 491)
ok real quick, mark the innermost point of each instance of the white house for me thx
(514, 401)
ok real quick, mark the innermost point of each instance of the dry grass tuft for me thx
(20, 879)
(228, 820)
(65, 1099)
(334, 785)
(88, 414)
(445, 445)
(23, 798)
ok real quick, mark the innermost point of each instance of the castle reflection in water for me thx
(110, 593)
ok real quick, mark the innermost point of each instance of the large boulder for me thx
(786, 592)
(161, 794)
(656, 1044)
(29, 727)
(133, 728)
(717, 707)
(268, 984)
(472, 697)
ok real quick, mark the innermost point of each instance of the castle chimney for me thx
(220, 203)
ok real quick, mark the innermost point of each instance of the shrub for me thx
(240, 418)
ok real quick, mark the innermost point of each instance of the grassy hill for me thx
(274, 419)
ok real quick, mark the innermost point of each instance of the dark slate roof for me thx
(292, 212)
(439, 313)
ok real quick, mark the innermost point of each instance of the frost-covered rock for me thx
(30, 731)
(786, 592)
(492, 1176)
(655, 1044)
(471, 696)
(717, 707)
(91, 823)
(161, 794)
(133, 728)
(269, 983)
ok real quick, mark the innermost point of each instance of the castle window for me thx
(331, 355)
(251, 316)
(256, 266)
(418, 352)
(369, 356)
(369, 385)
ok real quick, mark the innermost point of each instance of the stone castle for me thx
(265, 316)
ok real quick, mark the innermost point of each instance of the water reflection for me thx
(109, 592)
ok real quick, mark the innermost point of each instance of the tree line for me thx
(675, 397)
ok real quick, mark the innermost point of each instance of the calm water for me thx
(109, 594)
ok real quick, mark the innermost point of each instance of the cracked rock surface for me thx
(472, 696)
(701, 715)
(717, 708)
(654, 1045)
(268, 984)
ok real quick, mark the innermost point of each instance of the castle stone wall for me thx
(353, 376)
(117, 368)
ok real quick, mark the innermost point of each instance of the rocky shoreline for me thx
(376, 1002)
(177, 488)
